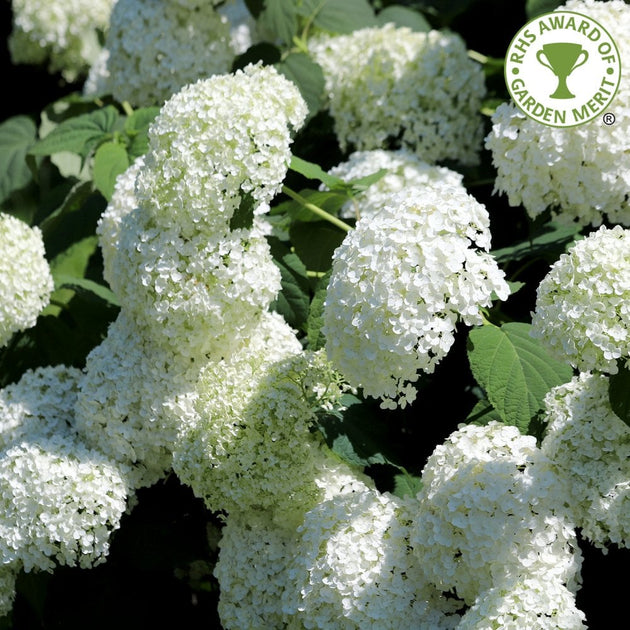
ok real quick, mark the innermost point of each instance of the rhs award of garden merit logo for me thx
(563, 69)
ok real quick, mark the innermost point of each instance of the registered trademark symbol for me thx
(609, 118)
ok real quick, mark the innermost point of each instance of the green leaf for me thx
(137, 129)
(314, 171)
(70, 106)
(404, 16)
(293, 301)
(79, 135)
(315, 243)
(279, 18)
(71, 264)
(74, 260)
(483, 413)
(110, 160)
(363, 183)
(339, 16)
(262, 51)
(17, 134)
(514, 369)
(548, 244)
(87, 287)
(243, 216)
(307, 76)
(619, 392)
(315, 320)
(73, 201)
(357, 433)
(74, 222)
(406, 485)
(141, 119)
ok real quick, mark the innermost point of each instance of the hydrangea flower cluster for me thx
(154, 48)
(352, 568)
(195, 295)
(60, 503)
(63, 33)
(530, 602)
(376, 76)
(59, 499)
(258, 546)
(25, 278)
(134, 426)
(252, 570)
(590, 446)
(543, 167)
(216, 141)
(404, 170)
(491, 508)
(40, 403)
(582, 311)
(400, 283)
(252, 445)
(171, 253)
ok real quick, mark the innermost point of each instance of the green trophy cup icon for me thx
(562, 60)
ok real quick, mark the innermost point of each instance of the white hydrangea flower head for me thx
(8, 578)
(590, 447)
(197, 295)
(156, 47)
(254, 447)
(535, 603)
(228, 383)
(63, 33)
(224, 387)
(252, 571)
(404, 170)
(25, 278)
(492, 507)
(39, 405)
(216, 141)
(60, 502)
(582, 311)
(124, 404)
(352, 568)
(401, 281)
(418, 90)
(541, 167)
(122, 202)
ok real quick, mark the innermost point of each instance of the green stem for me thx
(316, 209)
(127, 108)
(477, 56)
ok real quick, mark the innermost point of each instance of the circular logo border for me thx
(519, 35)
